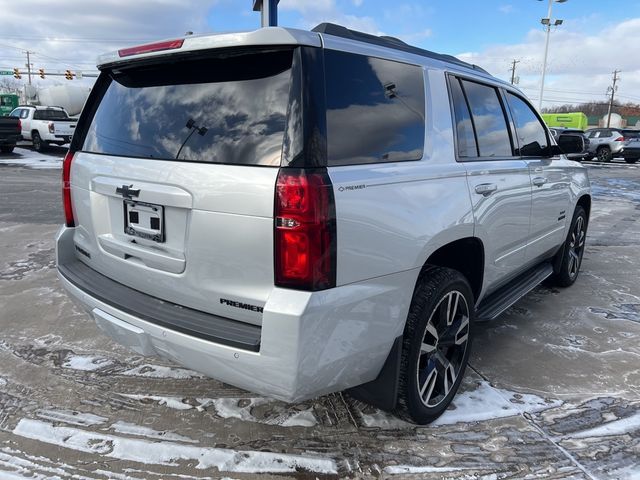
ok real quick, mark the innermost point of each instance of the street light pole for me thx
(547, 22)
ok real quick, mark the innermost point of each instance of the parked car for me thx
(584, 154)
(297, 213)
(10, 133)
(45, 126)
(609, 143)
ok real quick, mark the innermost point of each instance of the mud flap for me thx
(383, 391)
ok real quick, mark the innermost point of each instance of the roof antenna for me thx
(269, 10)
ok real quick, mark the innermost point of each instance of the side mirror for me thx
(570, 143)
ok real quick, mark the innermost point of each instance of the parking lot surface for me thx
(553, 390)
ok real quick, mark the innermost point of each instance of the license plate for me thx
(144, 220)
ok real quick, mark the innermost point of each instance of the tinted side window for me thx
(15, 113)
(488, 119)
(532, 138)
(464, 127)
(375, 109)
(606, 134)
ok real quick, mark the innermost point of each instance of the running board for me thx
(504, 297)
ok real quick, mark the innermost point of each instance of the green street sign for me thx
(6, 72)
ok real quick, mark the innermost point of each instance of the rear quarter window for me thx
(229, 110)
(375, 109)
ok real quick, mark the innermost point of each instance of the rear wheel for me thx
(604, 154)
(38, 144)
(573, 249)
(631, 160)
(6, 149)
(436, 344)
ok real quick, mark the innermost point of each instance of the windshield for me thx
(228, 109)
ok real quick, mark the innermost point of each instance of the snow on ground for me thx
(170, 453)
(496, 403)
(31, 159)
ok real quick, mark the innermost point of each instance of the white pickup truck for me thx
(45, 125)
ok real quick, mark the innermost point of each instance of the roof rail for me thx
(390, 42)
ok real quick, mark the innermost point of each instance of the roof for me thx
(390, 42)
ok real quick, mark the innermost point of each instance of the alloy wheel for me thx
(443, 348)
(576, 246)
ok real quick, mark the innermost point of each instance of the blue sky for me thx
(452, 26)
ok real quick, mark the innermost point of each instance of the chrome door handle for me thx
(486, 189)
(539, 181)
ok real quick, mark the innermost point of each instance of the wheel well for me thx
(466, 256)
(585, 202)
(35, 130)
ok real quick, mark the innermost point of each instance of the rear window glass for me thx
(228, 110)
(631, 133)
(50, 115)
(375, 109)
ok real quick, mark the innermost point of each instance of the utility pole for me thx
(29, 64)
(612, 89)
(513, 71)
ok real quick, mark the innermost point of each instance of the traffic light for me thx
(41, 73)
(68, 75)
(16, 73)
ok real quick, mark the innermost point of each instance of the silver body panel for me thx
(221, 241)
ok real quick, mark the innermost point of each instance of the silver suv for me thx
(297, 213)
(609, 143)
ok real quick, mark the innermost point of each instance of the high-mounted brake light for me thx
(304, 230)
(151, 47)
(70, 221)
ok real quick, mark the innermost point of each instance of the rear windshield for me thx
(50, 114)
(228, 110)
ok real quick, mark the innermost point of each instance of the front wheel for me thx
(604, 154)
(573, 249)
(436, 344)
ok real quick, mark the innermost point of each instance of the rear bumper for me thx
(10, 139)
(309, 344)
(630, 153)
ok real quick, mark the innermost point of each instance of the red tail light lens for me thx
(151, 47)
(52, 127)
(305, 230)
(619, 139)
(66, 190)
(19, 126)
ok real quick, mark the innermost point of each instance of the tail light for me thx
(66, 189)
(52, 127)
(304, 230)
(19, 126)
(619, 139)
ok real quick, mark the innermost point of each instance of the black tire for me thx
(573, 250)
(7, 149)
(38, 144)
(436, 344)
(604, 154)
(631, 160)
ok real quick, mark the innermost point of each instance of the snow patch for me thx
(31, 159)
(86, 363)
(400, 469)
(170, 453)
(72, 417)
(160, 371)
(616, 427)
(133, 429)
(483, 403)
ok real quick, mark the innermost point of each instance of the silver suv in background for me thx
(297, 213)
(608, 143)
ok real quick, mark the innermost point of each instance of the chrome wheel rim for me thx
(576, 247)
(443, 347)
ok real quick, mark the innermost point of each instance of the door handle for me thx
(486, 189)
(539, 181)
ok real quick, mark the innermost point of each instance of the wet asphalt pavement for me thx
(553, 390)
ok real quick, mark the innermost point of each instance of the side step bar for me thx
(505, 296)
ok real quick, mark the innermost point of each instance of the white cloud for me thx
(506, 9)
(358, 3)
(579, 66)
